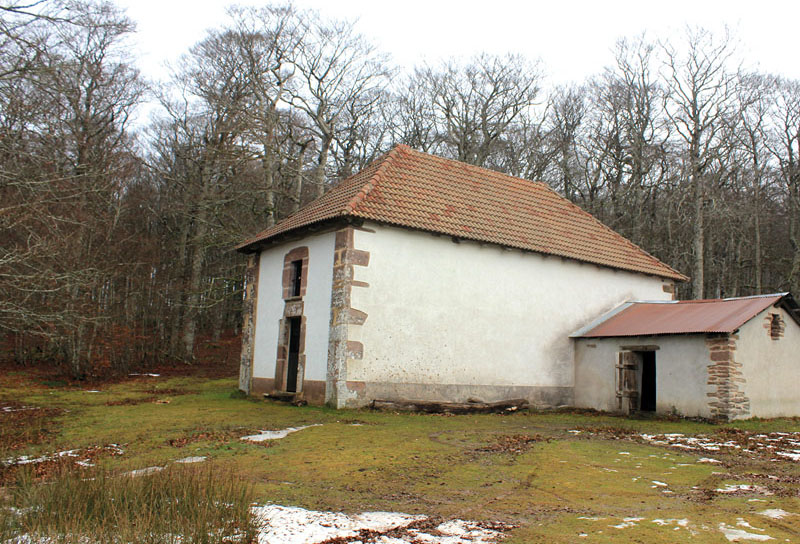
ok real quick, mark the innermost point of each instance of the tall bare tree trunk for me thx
(198, 255)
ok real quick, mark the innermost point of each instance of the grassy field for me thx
(556, 477)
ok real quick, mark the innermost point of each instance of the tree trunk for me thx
(198, 256)
(269, 183)
(698, 241)
(319, 171)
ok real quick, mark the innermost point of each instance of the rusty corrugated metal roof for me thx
(416, 190)
(681, 317)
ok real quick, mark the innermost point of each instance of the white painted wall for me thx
(441, 312)
(771, 368)
(317, 306)
(681, 372)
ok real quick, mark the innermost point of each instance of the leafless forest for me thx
(116, 240)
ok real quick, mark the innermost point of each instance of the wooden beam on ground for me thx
(439, 407)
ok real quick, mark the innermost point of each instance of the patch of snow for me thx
(708, 460)
(145, 374)
(590, 518)
(198, 459)
(624, 453)
(736, 535)
(659, 484)
(26, 460)
(733, 488)
(143, 471)
(456, 532)
(574, 431)
(742, 523)
(794, 456)
(783, 444)
(776, 513)
(91, 391)
(679, 522)
(276, 435)
(9, 409)
(292, 525)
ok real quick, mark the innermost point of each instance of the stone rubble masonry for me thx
(249, 321)
(775, 326)
(343, 316)
(728, 402)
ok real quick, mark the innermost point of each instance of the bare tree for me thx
(66, 160)
(699, 99)
(477, 103)
(567, 113)
(784, 145)
(341, 73)
(268, 40)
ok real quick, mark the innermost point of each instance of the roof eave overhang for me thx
(254, 246)
(324, 225)
(790, 306)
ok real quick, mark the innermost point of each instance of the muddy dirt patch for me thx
(22, 425)
(512, 443)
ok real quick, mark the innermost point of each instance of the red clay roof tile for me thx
(416, 190)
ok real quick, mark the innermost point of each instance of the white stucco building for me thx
(423, 278)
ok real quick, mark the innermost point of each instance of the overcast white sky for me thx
(573, 38)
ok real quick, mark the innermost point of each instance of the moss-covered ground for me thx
(529, 469)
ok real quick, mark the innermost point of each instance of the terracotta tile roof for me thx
(412, 189)
(684, 317)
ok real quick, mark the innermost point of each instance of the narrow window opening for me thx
(297, 277)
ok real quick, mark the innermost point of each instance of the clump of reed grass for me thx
(181, 504)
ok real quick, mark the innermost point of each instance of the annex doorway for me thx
(647, 394)
(636, 381)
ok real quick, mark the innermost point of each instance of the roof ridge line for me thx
(373, 180)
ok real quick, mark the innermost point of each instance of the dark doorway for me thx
(648, 396)
(294, 354)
